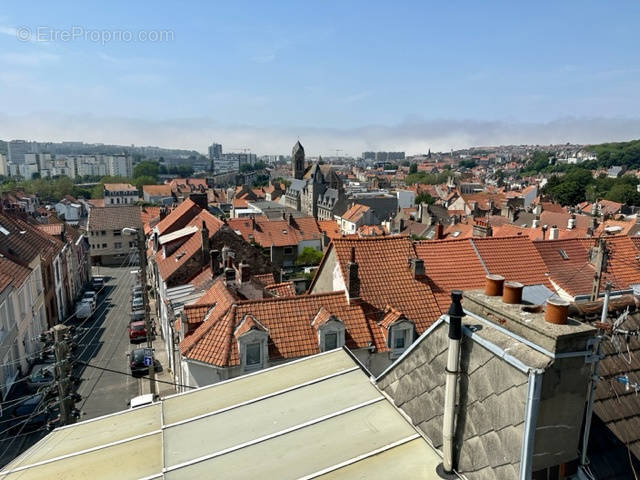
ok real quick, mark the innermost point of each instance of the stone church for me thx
(315, 191)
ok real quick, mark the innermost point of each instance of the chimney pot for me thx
(493, 285)
(553, 232)
(512, 293)
(557, 311)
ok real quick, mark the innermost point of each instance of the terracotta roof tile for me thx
(264, 278)
(355, 213)
(289, 323)
(114, 218)
(386, 278)
(277, 233)
(284, 289)
(178, 218)
(12, 273)
(330, 227)
(155, 190)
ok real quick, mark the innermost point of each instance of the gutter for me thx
(530, 422)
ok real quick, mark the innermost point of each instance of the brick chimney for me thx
(291, 220)
(205, 244)
(438, 232)
(245, 272)
(353, 282)
(215, 262)
(482, 228)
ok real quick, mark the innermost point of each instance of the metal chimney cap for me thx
(455, 309)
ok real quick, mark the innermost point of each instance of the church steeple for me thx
(297, 160)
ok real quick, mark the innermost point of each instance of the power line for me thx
(133, 376)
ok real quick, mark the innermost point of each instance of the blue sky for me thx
(349, 75)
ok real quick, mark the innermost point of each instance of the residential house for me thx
(116, 194)
(157, 194)
(355, 217)
(109, 245)
(283, 240)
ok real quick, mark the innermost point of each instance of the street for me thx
(105, 343)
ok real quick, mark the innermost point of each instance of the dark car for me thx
(30, 415)
(97, 283)
(137, 331)
(136, 361)
(42, 374)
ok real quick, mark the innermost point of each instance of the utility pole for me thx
(142, 258)
(600, 262)
(65, 397)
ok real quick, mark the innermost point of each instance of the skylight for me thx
(563, 254)
(4, 230)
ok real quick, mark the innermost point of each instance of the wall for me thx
(324, 281)
(492, 398)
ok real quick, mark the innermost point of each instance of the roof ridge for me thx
(294, 297)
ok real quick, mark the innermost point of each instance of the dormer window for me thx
(399, 331)
(331, 332)
(252, 339)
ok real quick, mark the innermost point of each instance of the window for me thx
(104, 245)
(288, 250)
(331, 341)
(254, 354)
(400, 337)
(398, 342)
(117, 233)
(103, 232)
(117, 245)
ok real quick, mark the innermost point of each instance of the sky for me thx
(340, 76)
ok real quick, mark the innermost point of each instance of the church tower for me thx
(297, 160)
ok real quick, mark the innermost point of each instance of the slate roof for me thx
(114, 218)
(386, 278)
(12, 273)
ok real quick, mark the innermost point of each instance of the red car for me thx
(137, 331)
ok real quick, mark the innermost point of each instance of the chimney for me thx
(199, 199)
(535, 223)
(557, 311)
(62, 232)
(438, 232)
(163, 212)
(571, 223)
(225, 255)
(493, 286)
(417, 268)
(215, 262)
(291, 220)
(325, 239)
(253, 222)
(401, 225)
(455, 314)
(593, 224)
(205, 244)
(245, 272)
(544, 231)
(553, 232)
(229, 276)
(353, 282)
(512, 293)
(419, 219)
(156, 242)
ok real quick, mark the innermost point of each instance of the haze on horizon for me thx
(351, 76)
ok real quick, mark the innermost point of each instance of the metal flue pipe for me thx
(453, 363)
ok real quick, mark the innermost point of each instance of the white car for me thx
(90, 296)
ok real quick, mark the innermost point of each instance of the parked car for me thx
(141, 400)
(136, 289)
(137, 303)
(30, 415)
(91, 296)
(137, 316)
(137, 331)
(97, 283)
(84, 309)
(136, 362)
(42, 374)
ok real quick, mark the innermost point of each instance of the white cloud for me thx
(412, 136)
(28, 59)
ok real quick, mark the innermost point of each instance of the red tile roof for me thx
(386, 278)
(155, 190)
(288, 321)
(119, 187)
(12, 273)
(263, 278)
(173, 262)
(277, 233)
(330, 227)
(284, 289)
(178, 218)
(355, 213)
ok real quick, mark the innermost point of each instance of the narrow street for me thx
(105, 343)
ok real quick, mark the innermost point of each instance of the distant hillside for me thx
(619, 153)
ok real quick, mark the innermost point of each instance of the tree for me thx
(147, 169)
(624, 193)
(413, 168)
(143, 180)
(467, 163)
(424, 197)
(309, 256)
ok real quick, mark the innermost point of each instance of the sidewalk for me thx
(160, 354)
